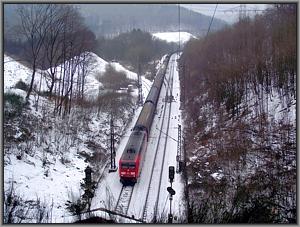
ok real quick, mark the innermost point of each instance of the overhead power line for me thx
(212, 20)
(179, 26)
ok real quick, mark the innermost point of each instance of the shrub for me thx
(18, 210)
(76, 207)
(112, 79)
(21, 85)
(13, 104)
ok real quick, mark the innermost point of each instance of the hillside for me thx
(174, 36)
(45, 155)
(239, 99)
(112, 19)
(15, 72)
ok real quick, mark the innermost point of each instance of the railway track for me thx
(152, 187)
(165, 145)
(124, 200)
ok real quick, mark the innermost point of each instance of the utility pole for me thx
(140, 91)
(179, 28)
(179, 152)
(113, 167)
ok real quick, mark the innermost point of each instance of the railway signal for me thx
(171, 174)
(171, 191)
(88, 175)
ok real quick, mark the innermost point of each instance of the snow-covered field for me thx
(183, 37)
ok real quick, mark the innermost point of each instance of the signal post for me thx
(171, 191)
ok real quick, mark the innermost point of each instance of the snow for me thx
(120, 68)
(109, 189)
(15, 71)
(275, 108)
(174, 36)
(260, 122)
(217, 176)
(32, 182)
(54, 182)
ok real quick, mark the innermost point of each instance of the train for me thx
(132, 158)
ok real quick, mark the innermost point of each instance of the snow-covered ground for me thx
(48, 170)
(249, 149)
(109, 188)
(174, 36)
(54, 180)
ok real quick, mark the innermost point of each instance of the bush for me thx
(13, 104)
(117, 103)
(18, 210)
(21, 85)
(76, 207)
(112, 79)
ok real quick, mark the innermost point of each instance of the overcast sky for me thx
(232, 13)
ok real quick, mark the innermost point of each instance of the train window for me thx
(137, 133)
(128, 165)
(131, 151)
(131, 165)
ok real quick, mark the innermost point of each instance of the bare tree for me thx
(34, 26)
(68, 47)
(53, 45)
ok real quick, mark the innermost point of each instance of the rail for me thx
(124, 199)
(114, 213)
(165, 145)
(145, 208)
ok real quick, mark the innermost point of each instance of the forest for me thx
(136, 49)
(239, 97)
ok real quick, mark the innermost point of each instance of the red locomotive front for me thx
(130, 162)
(128, 171)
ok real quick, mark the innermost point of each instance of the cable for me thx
(211, 20)
(179, 26)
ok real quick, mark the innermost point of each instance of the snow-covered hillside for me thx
(15, 71)
(45, 155)
(174, 36)
(228, 157)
